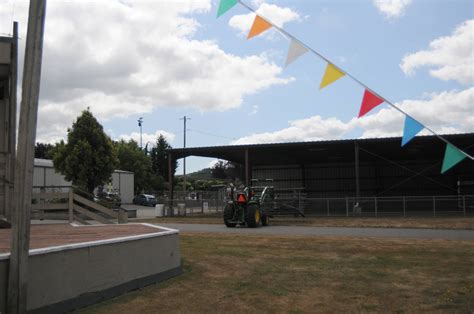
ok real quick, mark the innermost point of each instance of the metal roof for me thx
(421, 147)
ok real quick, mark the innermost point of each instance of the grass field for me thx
(228, 273)
(399, 222)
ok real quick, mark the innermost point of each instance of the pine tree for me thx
(88, 158)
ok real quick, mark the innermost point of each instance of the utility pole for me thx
(184, 159)
(23, 185)
(140, 122)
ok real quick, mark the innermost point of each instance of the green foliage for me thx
(218, 171)
(44, 150)
(132, 158)
(159, 158)
(203, 174)
(227, 170)
(88, 159)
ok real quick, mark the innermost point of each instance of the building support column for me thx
(247, 167)
(357, 177)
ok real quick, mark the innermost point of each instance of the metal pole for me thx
(375, 200)
(327, 205)
(434, 206)
(170, 181)
(20, 242)
(356, 152)
(347, 207)
(140, 121)
(184, 159)
(404, 207)
(464, 205)
(247, 166)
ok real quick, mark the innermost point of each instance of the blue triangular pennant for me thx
(411, 129)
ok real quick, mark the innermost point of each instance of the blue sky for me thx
(165, 59)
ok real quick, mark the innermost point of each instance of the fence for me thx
(73, 207)
(401, 206)
(446, 205)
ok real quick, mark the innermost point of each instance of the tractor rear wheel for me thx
(228, 215)
(253, 217)
(265, 220)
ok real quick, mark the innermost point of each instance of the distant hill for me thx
(203, 174)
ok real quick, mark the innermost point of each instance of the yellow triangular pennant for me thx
(331, 75)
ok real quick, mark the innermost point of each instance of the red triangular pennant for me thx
(369, 102)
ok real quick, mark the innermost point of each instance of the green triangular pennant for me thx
(225, 5)
(452, 156)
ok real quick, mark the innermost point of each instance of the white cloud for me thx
(254, 110)
(149, 138)
(275, 14)
(392, 8)
(445, 112)
(310, 129)
(119, 59)
(450, 57)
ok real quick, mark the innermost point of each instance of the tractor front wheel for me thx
(253, 217)
(229, 215)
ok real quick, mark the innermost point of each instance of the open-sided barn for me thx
(356, 169)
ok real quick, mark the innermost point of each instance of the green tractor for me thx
(248, 206)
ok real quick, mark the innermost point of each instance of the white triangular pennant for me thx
(295, 51)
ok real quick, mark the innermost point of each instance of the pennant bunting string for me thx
(452, 156)
(295, 51)
(225, 5)
(411, 129)
(259, 26)
(371, 99)
(369, 102)
(331, 75)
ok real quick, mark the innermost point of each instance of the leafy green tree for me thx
(218, 171)
(159, 158)
(88, 159)
(132, 158)
(43, 150)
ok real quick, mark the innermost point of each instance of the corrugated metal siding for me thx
(284, 177)
(377, 178)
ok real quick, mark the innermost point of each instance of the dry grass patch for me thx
(398, 222)
(229, 273)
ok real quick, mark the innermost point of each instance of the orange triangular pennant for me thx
(259, 26)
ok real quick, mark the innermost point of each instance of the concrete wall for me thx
(72, 278)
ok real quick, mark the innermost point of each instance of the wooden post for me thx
(122, 216)
(71, 205)
(18, 268)
(10, 162)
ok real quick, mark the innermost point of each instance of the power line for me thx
(211, 134)
(287, 34)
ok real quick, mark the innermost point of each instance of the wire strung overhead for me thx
(370, 100)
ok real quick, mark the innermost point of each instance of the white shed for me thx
(44, 176)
